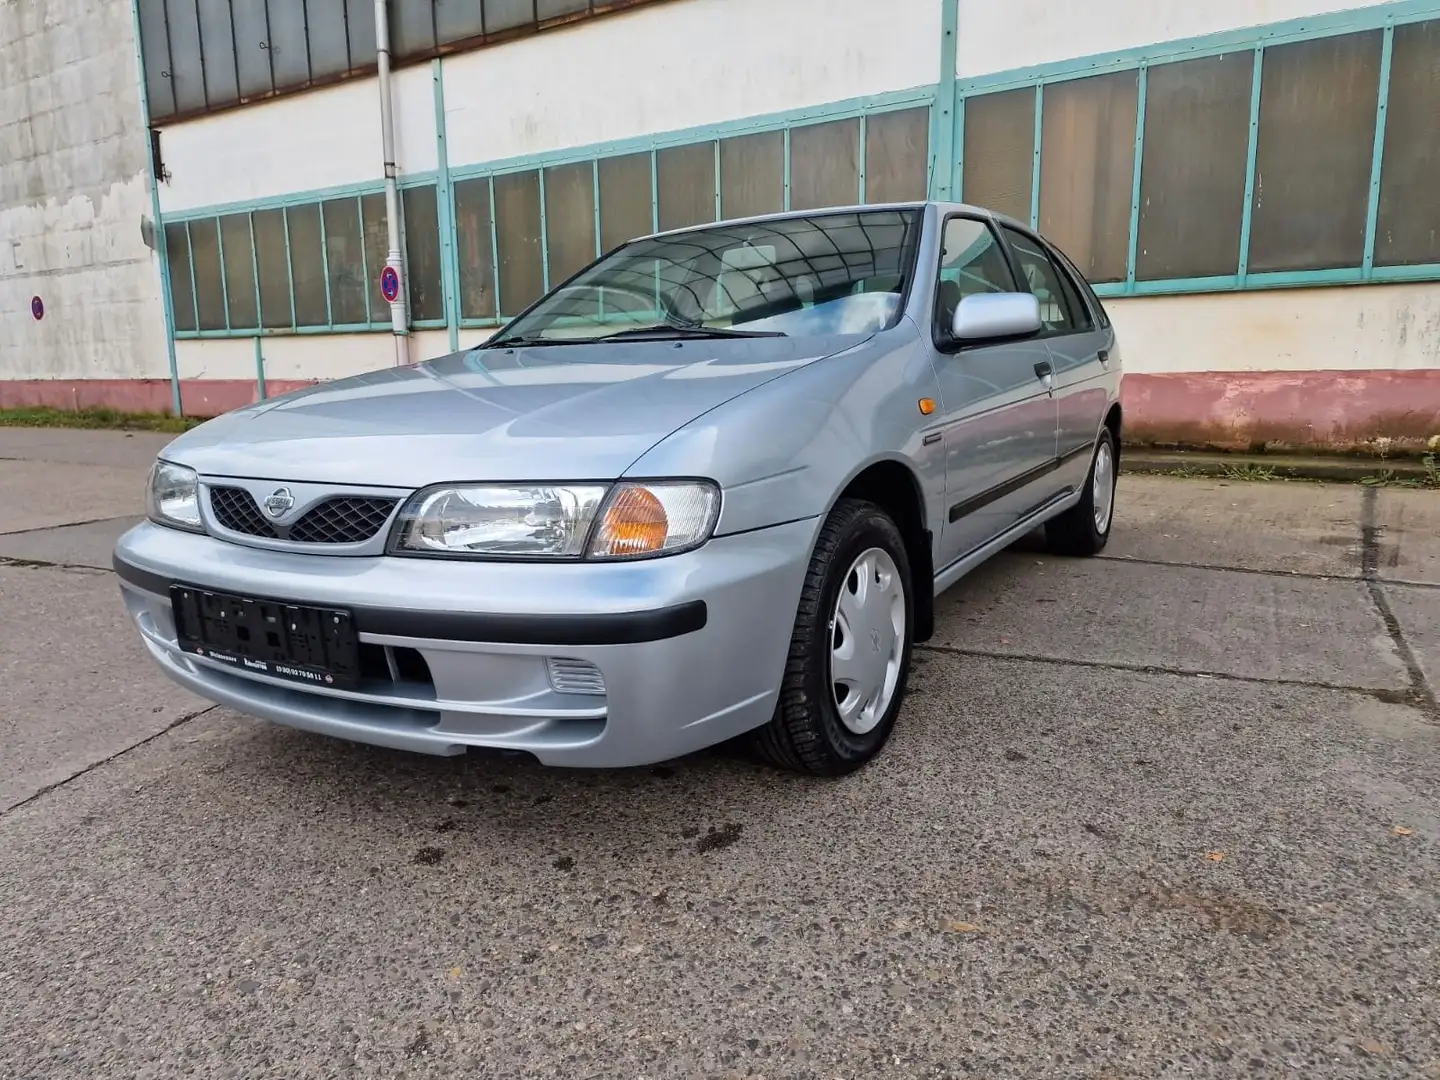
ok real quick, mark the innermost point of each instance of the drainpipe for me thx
(392, 193)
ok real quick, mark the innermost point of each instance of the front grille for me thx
(344, 519)
(236, 510)
(347, 519)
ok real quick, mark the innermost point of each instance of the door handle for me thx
(1104, 356)
(1044, 371)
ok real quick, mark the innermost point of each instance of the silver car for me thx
(707, 488)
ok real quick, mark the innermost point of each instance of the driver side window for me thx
(971, 262)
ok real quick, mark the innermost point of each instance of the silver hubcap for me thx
(1103, 487)
(867, 640)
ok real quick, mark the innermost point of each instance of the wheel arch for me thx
(893, 486)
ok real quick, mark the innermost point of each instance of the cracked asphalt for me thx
(1167, 813)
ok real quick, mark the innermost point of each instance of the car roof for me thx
(821, 211)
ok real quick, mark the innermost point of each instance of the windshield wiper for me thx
(528, 342)
(664, 331)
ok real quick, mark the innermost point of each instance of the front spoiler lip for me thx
(613, 628)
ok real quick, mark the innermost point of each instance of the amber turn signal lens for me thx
(634, 524)
(927, 406)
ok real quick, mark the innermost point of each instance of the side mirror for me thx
(986, 316)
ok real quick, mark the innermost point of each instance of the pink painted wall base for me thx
(1303, 410)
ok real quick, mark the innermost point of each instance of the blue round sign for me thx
(37, 308)
(389, 284)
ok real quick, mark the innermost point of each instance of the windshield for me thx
(816, 275)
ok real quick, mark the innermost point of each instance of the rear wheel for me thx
(850, 650)
(1084, 529)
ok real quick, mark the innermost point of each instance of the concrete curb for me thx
(1272, 466)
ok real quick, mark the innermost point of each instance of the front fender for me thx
(784, 451)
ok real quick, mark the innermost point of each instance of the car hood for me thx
(552, 413)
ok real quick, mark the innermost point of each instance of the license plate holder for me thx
(300, 643)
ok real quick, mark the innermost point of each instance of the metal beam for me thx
(944, 178)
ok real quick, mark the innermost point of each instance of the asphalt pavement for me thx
(1170, 812)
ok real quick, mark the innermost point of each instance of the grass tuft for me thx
(95, 419)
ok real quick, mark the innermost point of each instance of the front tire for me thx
(1084, 529)
(849, 657)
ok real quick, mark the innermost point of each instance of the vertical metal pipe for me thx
(393, 258)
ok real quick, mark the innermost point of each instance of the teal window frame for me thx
(1253, 40)
(446, 176)
(378, 320)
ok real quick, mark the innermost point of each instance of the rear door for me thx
(998, 419)
(1079, 340)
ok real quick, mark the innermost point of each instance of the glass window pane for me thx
(217, 50)
(360, 24)
(377, 248)
(752, 174)
(422, 254)
(569, 218)
(1087, 171)
(274, 268)
(327, 44)
(825, 165)
(289, 58)
(555, 9)
(1042, 279)
(1312, 168)
(517, 224)
(209, 293)
(186, 71)
(412, 26)
(1000, 152)
(897, 156)
(239, 271)
(345, 261)
(507, 15)
(252, 39)
(477, 268)
(155, 48)
(971, 262)
(625, 200)
(1408, 228)
(177, 253)
(307, 264)
(457, 21)
(686, 179)
(1192, 176)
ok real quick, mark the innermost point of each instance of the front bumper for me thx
(691, 648)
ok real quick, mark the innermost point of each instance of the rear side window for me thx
(1060, 307)
(1075, 276)
(971, 262)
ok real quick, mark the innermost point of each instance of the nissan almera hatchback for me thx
(709, 487)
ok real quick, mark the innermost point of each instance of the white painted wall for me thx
(325, 138)
(1345, 328)
(652, 70)
(682, 65)
(998, 35)
(74, 204)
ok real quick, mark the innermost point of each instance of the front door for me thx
(1080, 341)
(999, 418)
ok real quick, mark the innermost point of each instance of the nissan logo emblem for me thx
(278, 502)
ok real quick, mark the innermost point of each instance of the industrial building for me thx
(193, 208)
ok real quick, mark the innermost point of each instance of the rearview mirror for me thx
(986, 316)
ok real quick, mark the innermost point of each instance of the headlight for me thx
(529, 520)
(558, 520)
(173, 497)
